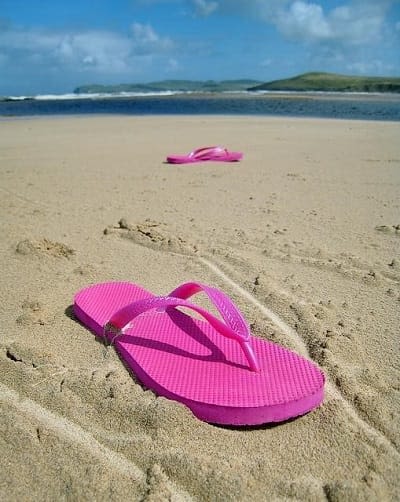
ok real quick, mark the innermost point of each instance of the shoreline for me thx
(96, 116)
(203, 94)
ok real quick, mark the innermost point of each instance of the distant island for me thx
(307, 82)
(171, 85)
(331, 82)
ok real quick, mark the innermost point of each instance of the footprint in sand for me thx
(389, 229)
(152, 235)
(158, 485)
(43, 247)
(19, 356)
(33, 313)
(86, 270)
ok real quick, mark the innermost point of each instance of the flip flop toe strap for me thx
(124, 317)
(207, 152)
(227, 309)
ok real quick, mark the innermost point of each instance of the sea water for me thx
(323, 105)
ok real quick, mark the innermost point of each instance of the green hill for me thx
(171, 85)
(331, 82)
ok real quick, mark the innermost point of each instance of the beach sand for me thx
(303, 234)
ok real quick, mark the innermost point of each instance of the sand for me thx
(303, 234)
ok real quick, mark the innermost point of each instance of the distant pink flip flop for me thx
(213, 153)
(213, 366)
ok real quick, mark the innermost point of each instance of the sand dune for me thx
(303, 234)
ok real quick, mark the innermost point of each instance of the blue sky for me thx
(52, 46)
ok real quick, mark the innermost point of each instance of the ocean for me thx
(322, 105)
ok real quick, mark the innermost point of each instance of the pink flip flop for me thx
(213, 366)
(215, 153)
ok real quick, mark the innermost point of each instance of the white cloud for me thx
(144, 33)
(173, 65)
(97, 50)
(204, 7)
(359, 24)
(303, 21)
(356, 31)
(89, 60)
(101, 51)
(375, 66)
(355, 22)
(147, 41)
(35, 59)
(266, 62)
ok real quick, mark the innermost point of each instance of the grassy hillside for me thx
(332, 82)
(171, 85)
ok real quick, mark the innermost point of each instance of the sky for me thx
(53, 46)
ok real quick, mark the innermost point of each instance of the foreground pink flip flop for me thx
(215, 153)
(213, 366)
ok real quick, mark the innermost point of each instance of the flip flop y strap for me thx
(207, 153)
(123, 318)
(227, 309)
